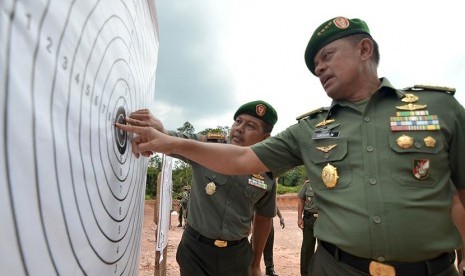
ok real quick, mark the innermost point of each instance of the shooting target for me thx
(71, 191)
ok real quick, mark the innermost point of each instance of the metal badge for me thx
(220, 243)
(409, 98)
(429, 142)
(411, 107)
(380, 269)
(210, 188)
(329, 176)
(324, 122)
(405, 142)
(326, 149)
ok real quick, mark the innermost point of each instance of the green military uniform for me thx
(308, 238)
(221, 207)
(390, 199)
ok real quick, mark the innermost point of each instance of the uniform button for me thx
(370, 149)
(366, 119)
(377, 219)
(373, 181)
(381, 259)
(418, 144)
(326, 155)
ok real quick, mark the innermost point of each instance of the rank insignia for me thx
(329, 176)
(430, 142)
(420, 168)
(326, 149)
(210, 188)
(258, 181)
(405, 142)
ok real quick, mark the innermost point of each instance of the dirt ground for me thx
(286, 245)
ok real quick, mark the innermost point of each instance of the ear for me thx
(366, 48)
(266, 136)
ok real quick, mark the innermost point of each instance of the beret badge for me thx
(260, 109)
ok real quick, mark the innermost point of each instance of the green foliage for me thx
(151, 184)
(287, 189)
(294, 177)
(187, 128)
(218, 129)
(182, 176)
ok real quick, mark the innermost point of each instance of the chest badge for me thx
(210, 188)
(324, 122)
(329, 176)
(258, 181)
(326, 149)
(420, 168)
(405, 142)
(430, 142)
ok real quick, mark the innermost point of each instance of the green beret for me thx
(330, 31)
(259, 109)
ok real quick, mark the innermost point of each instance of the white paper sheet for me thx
(164, 210)
(71, 191)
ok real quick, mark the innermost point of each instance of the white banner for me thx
(71, 191)
(164, 209)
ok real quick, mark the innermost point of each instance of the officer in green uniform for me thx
(380, 160)
(307, 212)
(221, 207)
(183, 204)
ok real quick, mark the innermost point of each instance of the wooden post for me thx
(160, 267)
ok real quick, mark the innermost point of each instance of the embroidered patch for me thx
(420, 168)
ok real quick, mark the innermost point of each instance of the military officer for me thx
(221, 207)
(380, 160)
(307, 212)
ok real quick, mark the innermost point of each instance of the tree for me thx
(294, 177)
(187, 128)
(218, 129)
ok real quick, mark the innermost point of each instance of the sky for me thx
(216, 55)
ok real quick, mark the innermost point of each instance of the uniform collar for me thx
(385, 87)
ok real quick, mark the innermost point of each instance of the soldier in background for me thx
(183, 206)
(306, 217)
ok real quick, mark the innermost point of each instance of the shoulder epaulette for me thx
(312, 113)
(421, 87)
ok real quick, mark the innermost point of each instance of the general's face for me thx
(338, 66)
(247, 130)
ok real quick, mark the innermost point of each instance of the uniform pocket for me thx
(415, 155)
(217, 178)
(333, 152)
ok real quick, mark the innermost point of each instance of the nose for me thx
(319, 68)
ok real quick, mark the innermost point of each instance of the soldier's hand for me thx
(148, 140)
(300, 223)
(143, 117)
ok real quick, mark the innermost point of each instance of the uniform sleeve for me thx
(266, 206)
(184, 136)
(457, 144)
(303, 190)
(279, 153)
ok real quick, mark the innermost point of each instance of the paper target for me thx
(71, 191)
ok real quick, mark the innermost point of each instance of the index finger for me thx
(131, 128)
